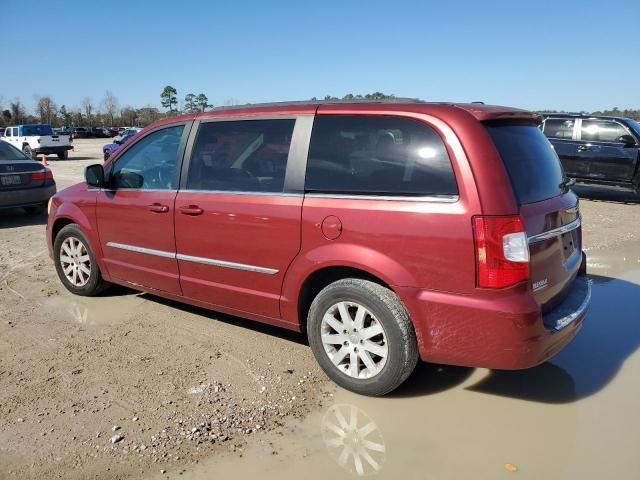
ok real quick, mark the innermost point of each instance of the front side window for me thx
(377, 155)
(241, 156)
(602, 131)
(151, 163)
(559, 128)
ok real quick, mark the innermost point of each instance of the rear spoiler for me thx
(491, 112)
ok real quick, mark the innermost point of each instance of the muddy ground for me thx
(129, 385)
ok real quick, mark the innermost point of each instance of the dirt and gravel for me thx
(129, 385)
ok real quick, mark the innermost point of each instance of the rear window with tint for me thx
(36, 130)
(9, 152)
(531, 162)
(377, 155)
(559, 127)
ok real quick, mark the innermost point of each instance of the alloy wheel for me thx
(75, 261)
(354, 340)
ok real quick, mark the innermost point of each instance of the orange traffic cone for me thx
(44, 160)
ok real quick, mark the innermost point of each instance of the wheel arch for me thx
(315, 269)
(69, 213)
(322, 277)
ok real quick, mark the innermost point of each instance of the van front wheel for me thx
(75, 263)
(362, 336)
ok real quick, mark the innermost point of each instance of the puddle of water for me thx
(98, 311)
(574, 417)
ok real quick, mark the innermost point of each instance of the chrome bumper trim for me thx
(569, 319)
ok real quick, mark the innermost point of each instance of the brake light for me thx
(502, 251)
(43, 175)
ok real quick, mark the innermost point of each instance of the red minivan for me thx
(385, 231)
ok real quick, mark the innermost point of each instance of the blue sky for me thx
(580, 55)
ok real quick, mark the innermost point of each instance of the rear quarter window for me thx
(559, 127)
(531, 162)
(377, 155)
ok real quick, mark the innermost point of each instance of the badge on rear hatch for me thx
(540, 284)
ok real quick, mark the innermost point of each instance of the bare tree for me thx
(87, 106)
(18, 112)
(76, 117)
(129, 116)
(46, 109)
(110, 106)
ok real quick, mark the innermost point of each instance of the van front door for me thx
(136, 213)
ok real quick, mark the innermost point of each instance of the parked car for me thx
(386, 232)
(127, 132)
(80, 132)
(98, 132)
(38, 139)
(1, 131)
(110, 148)
(23, 181)
(597, 150)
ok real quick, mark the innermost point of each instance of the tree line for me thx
(105, 113)
(108, 112)
(89, 113)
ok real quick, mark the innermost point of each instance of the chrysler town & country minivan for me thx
(387, 232)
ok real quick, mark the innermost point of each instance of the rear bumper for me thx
(53, 150)
(26, 197)
(503, 330)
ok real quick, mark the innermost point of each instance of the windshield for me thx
(36, 130)
(9, 152)
(635, 126)
(531, 162)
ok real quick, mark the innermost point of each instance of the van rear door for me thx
(548, 208)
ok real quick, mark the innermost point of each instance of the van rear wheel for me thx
(362, 337)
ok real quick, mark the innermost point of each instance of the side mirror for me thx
(118, 142)
(94, 175)
(627, 140)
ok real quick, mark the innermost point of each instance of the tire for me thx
(35, 209)
(64, 155)
(106, 156)
(29, 152)
(94, 284)
(396, 344)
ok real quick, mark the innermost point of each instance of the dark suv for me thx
(597, 150)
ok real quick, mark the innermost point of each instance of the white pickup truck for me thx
(35, 140)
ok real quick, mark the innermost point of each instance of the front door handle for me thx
(584, 148)
(192, 210)
(158, 208)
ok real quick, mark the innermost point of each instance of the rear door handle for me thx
(192, 210)
(158, 208)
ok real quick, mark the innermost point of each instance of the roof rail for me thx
(321, 102)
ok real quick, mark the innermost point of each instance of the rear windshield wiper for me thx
(567, 183)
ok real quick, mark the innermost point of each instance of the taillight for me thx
(502, 251)
(44, 175)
